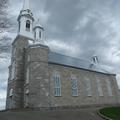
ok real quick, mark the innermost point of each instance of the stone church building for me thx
(40, 78)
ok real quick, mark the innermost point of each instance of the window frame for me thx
(40, 34)
(57, 84)
(28, 25)
(74, 86)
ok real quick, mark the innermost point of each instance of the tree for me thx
(5, 25)
(4, 21)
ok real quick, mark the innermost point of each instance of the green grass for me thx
(111, 112)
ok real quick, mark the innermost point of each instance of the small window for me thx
(27, 25)
(57, 84)
(11, 93)
(35, 35)
(19, 26)
(74, 86)
(39, 34)
(27, 75)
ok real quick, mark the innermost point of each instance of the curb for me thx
(104, 117)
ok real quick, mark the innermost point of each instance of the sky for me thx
(78, 28)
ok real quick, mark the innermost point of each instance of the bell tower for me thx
(38, 32)
(25, 21)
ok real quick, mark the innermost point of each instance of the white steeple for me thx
(26, 5)
(25, 21)
(38, 32)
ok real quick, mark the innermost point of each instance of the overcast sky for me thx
(79, 28)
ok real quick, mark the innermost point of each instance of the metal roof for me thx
(56, 58)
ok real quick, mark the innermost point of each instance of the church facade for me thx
(40, 78)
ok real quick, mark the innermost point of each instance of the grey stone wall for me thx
(38, 76)
(66, 99)
(16, 83)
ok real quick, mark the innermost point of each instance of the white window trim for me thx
(57, 84)
(74, 91)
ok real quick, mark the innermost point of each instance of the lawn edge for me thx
(103, 116)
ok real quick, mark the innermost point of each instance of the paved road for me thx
(81, 114)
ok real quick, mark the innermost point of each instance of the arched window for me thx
(39, 34)
(11, 92)
(57, 84)
(35, 35)
(19, 26)
(27, 25)
(74, 85)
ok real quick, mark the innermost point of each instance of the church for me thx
(41, 78)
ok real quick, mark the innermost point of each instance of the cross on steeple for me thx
(26, 5)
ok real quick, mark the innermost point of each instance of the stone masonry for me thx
(36, 88)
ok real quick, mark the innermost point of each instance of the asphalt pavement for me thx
(75, 114)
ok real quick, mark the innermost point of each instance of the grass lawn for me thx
(111, 112)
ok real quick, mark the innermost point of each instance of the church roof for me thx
(64, 60)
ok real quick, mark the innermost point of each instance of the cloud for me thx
(2, 103)
(4, 63)
(60, 46)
